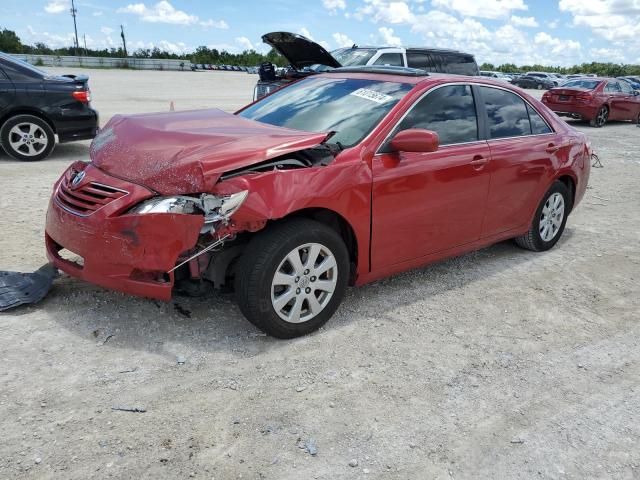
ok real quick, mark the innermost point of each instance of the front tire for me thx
(549, 221)
(27, 138)
(292, 277)
(539, 87)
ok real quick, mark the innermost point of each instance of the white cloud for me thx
(388, 38)
(558, 47)
(334, 5)
(57, 6)
(106, 30)
(97, 13)
(221, 24)
(524, 21)
(614, 20)
(482, 9)
(244, 43)
(305, 33)
(553, 24)
(342, 40)
(385, 11)
(164, 12)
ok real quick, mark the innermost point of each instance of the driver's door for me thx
(425, 203)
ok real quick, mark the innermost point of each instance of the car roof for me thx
(409, 75)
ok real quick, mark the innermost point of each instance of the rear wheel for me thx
(27, 138)
(539, 87)
(601, 117)
(549, 220)
(292, 277)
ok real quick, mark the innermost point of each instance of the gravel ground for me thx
(498, 364)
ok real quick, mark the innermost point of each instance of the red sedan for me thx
(596, 100)
(338, 179)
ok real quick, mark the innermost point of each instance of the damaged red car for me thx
(338, 179)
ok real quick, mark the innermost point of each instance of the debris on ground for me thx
(18, 288)
(124, 408)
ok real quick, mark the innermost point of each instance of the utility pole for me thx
(84, 38)
(124, 42)
(73, 14)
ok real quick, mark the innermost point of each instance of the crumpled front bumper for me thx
(124, 252)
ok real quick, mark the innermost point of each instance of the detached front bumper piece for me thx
(129, 253)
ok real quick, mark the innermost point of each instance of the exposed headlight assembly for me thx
(215, 208)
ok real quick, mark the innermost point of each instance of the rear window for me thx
(352, 57)
(391, 59)
(586, 84)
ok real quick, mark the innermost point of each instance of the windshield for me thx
(348, 106)
(23, 64)
(586, 84)
(350, 57)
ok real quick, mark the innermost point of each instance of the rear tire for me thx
(539, 87)
(549, 221)
(27, 138)
(291, 278)
(601, 117)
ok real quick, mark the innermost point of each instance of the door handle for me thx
(478, 162)
(552, 148)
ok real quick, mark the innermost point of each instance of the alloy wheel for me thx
(551, 218)
(603, 115)
(28, 139)
(304, 282)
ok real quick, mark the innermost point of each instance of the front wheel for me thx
(27, 138)
(539, 87)
(292, 277)
(549, 220)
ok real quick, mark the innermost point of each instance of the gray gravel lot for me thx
(498, 364)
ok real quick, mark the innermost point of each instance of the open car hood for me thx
(186, 152)
(299, 51)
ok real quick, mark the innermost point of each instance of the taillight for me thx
(546, 96)
(584, 97)
(83, 96)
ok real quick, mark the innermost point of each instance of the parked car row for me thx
(230, 68)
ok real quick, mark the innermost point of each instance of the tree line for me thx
(11, 43)
(601, 69)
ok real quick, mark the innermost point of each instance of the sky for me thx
(549, 32)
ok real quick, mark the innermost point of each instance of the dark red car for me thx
(338, 179)
(596, 100)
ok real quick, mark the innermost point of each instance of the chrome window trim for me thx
(386, 139)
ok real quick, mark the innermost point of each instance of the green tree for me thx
(10, 42)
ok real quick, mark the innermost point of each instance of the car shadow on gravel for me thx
(214, 322)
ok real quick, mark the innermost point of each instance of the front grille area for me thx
(87, 198)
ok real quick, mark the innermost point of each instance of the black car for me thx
(530, 81)
(307, 58)
(36, 106)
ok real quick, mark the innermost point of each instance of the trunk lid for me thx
(299, 51)
(186, 152)
(565, 95)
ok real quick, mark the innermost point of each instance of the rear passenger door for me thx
(524, 151)
(617, 101)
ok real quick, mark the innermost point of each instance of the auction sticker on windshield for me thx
(372, 95)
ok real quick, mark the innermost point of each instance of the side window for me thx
(538, 125)
(448, 111)
(625, 87)
(394, 59)
(17, 75)
(506, 113)
(612, 87)
(418, 60)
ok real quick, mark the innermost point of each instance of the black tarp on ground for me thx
(18, 288)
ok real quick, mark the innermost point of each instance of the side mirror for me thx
(415, 140)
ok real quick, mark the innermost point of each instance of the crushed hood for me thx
(299, 51)
(186, 152)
